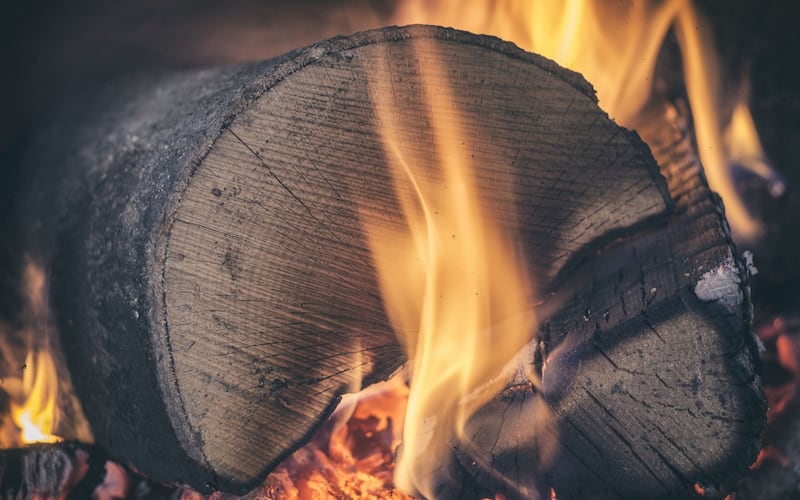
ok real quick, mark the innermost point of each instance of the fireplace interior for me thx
(592, 401)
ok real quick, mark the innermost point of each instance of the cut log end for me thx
(269, 294)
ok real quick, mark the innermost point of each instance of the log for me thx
(73, 471)
(212, 282)
(648, 368)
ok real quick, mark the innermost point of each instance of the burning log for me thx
(648, 369)
(215, 292)
(73, 470)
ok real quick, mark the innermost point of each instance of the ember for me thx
(353, 454)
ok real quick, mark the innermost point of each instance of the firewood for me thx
(214, 289)
(648, 369)
(73, 470)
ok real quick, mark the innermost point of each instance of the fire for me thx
(743, 145)
(352, 456)
(453, 282)
(36, 415)
(33, 396)
(615, 45)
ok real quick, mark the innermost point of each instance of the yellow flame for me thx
(36, 415)
(34, 395)
(702, 84)
(452, 280)
(615, 45)
(743, 145)
(742, 138)
(450, 307)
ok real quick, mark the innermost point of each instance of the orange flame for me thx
(34, 395)
(452, 282)
(434, 275)
(36, 415)
(615, 45)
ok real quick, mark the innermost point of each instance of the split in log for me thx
(215, 294)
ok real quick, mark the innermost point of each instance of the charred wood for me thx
(73, 471)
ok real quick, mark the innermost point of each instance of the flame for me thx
(452, 282)
(33, 396)
(439, 289)
(743, 145)
(615, 45)
(36, 416)
(702, 84)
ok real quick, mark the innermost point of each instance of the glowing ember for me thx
(352, 456)
(615, 45)
(782, 357)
